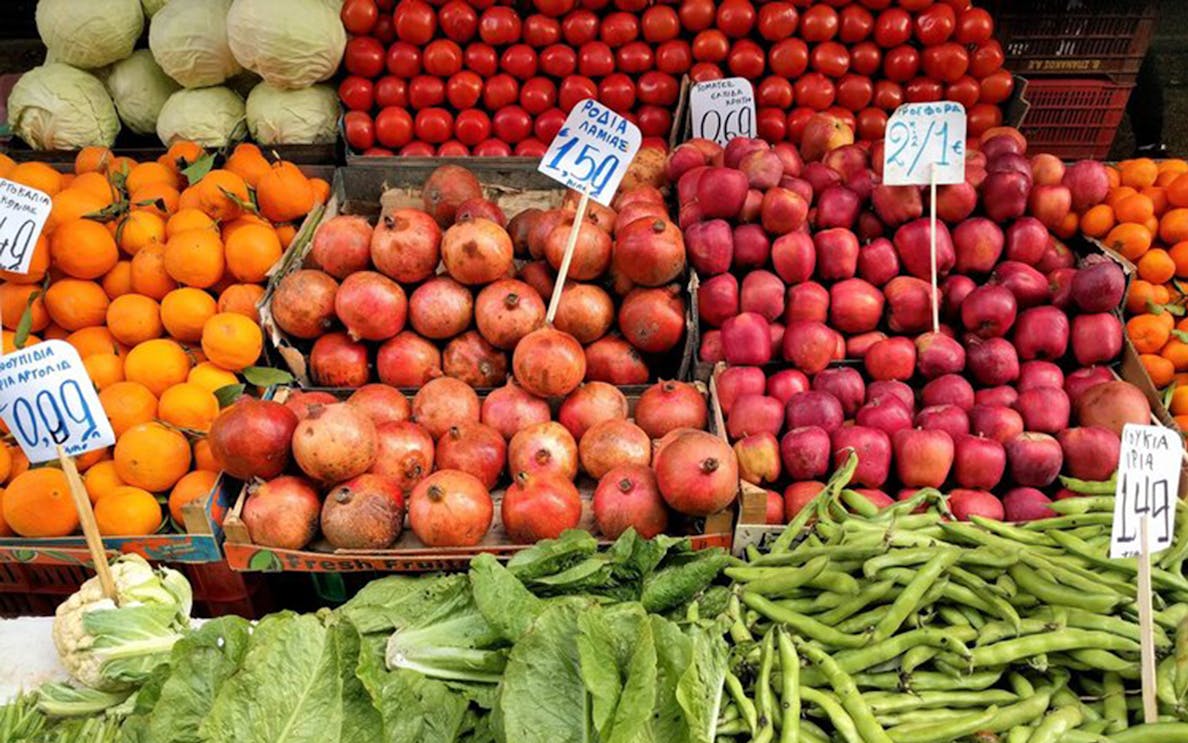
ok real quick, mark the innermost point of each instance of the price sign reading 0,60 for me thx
(591, 152)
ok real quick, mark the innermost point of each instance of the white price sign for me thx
(592, 151)
(1148, 485)
(721, 110)
(47, 400)
(925, 141)
(23, 212)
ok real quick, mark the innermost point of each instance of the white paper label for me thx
(592, 151)
(23, 212)
(47, 399)
(922, 140)
(721, 110)
(1148, 485)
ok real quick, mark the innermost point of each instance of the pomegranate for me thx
(539, 506)
(650, 251)
(470, 358)
(303, 303)
(543, 226)
(549, 363)
(300, 401)
(475, 208)
(589, 404)
(381, 403)
(282, 512)
(445, 402)
(697, 473)
(334, 443)
(508, 310)
(404, 453)
(636, 211)
(371, 306)
(614, 360)
(477, 252)
(509, 408)
(538, 275)
(363, 513)
(669, 405)
(519, 228)
(440, 308)
(406, 246)
(408, 360)
(653, 320)
(627, 497)
(251, 438)
(447, 188)
(475, 448)
(450, 509)
(585, 311)
(342, 246)
(543, 447)
(591, 253)
(338, 361)
(611, 443)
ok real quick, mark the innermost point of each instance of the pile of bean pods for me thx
(905, 626)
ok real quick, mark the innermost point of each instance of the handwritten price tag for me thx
(592, 151)
(47, 399)
(23, 212)
(923, 140)
(1148, 485)
(721, 110)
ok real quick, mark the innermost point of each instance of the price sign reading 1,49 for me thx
(47, 400)
(23, 212)
(592, 151)
(721, 110)
(925, 140)
(1148, 486)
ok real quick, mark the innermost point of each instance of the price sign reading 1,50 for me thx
(587, 163)
(591, 152)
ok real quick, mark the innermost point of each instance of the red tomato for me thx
(554, 8)
(674, 57)
(893, 27)
(499, 26)
(775, 92)
(499, 91)
(458, 21)
(654, 121)
(482, 58)
(696, 15)
(442, 57)
(511, 124)
(538, 95)
(777, 20)
(854, 92)
(635, 57)
(660, 23)
(377, 152)
(888, 95)
(901, 63)
(403, 60)
(415, 21)
(364, 57)
(540, 31)
(558, 60)
(633, 6)
(393, 127)
(384, 31)
(819, 23)
(974, 26)
(815, 91)
(872, 122)
(425, 92)
(710, 46)
(982, 117)
(936, 24)
(519, 61)
(453, 148)
(959, 5)
(965, 91)
(531, 147)
(417, 149)
(359, 130)
(359, 16)
(472, 126)
(617, 92)
(548, 124)
(391, 91)
(875, 4)
(797, 119)
(573, 89)
(357, 93)
(789, 58)
(866, 58)
(915, 6)
(619, 29)
(986, 58)
(704, 72)
(464, 89)
(579, 27)
(996, 87)
(746, 59)
(830, 58)
(771, 125)
(735, 18)
(946, 62)
(596, 59)
(491, 148)
(856, 24)
(923, 90)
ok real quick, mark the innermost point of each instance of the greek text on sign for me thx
(925, 140)
(592, 151)
(1148, 485)
(47, 400)
(23, 212)
(721, 110)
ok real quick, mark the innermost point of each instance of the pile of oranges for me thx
(155, 281)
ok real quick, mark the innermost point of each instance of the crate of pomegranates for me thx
(370, 480)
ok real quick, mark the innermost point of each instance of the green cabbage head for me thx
(305, 116)
(289, 43)
(212, 117)
(139, 88)
(189, 41)
(86, 33)
(58, 107)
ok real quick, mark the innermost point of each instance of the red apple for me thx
(1027, 240)
(814, 408)
(873, 448)
(837, 253)
(1026, 504)
(758, 458)
(923, 458)
(886, 413)
(996, 422)
(989, 311)
(1041, 333)
(751, 246)
(844, 383)
(895, 205)
(1079, 382)
(746, 340)
(794, 257)
(1039, 374)
(785, 383)
(913, 243)
(1096, 338)
(1003, 394)
(809, 345)
(956, 201)
(805, 452)
(1029, 286)
(1050, 204)
(978, 245)
(752, 414)
(1090, 452)
(965, 503)
(736, 381)
(909, 302)
(893, 358)
(855, 306)
(822, 133)
(938, 354)
(858, 345)
(806, 301)
(762, 293)
(992, 361)
(1044, 409)
(878, 262)
(782, 211)
(798, 495)
(949, 389)
(978, 462)
(1035, 459)
(1099, 286)
(948, 418)
(895, 388)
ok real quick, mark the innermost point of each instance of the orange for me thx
(284, 194)
(1131, 240)
(128, 404)
(321, 190)
(203, 458)
(1134, 208)
(118, 281)
(251, 251)
(1160, 293)
(188, 219)
(10, 346)
(242, 299)
(1158, 197)
(184, 311)
(138, 229)
(149, 276)
(75, 304)
(152, 457)
(15, 298)
(285, 233)
(156, 198)
(1179, 401)
(157, 364)
(244, 220)
(1117, 194)
(83, 249)
(210, 377)
(193, 486)
(148, 173)
(128, 511)
(54, 332)
(5, 463)
(1168, 320)
(102, 479)
(195, 258)
(119, 167)
(38, 266)
(90, 341)
(37, 175)
(1173, 228)
(1176, 351)
(1179, 255)
(188, 406)
(5, 529)
(1148, 333)
(104, 369)
(97, 185)
(134, 318)
(37, 503)
(1139, 172)
(73, 203)
(1138, 295)
(1067, 229)
(1160, 370)
(20, 463)
(232, 341)
(221, 195)
(6, 165)
(91, 159)
(181, 154)
(248, 163)
(1156, 266)
(1177, 191)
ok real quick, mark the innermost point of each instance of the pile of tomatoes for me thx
(462, 77)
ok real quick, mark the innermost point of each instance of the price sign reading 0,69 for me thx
(721, 110)
(591, 152)
(23, 212)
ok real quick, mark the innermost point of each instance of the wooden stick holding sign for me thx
(90, 529)
(1146, 626)
(567, 258)
(932, 249)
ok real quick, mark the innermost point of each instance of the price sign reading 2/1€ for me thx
(721, 110)
(925, 140)
(47, 400)
(23, 212)
(592, 151)
(1148, 486)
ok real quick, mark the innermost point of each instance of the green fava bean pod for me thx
(847, 692)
